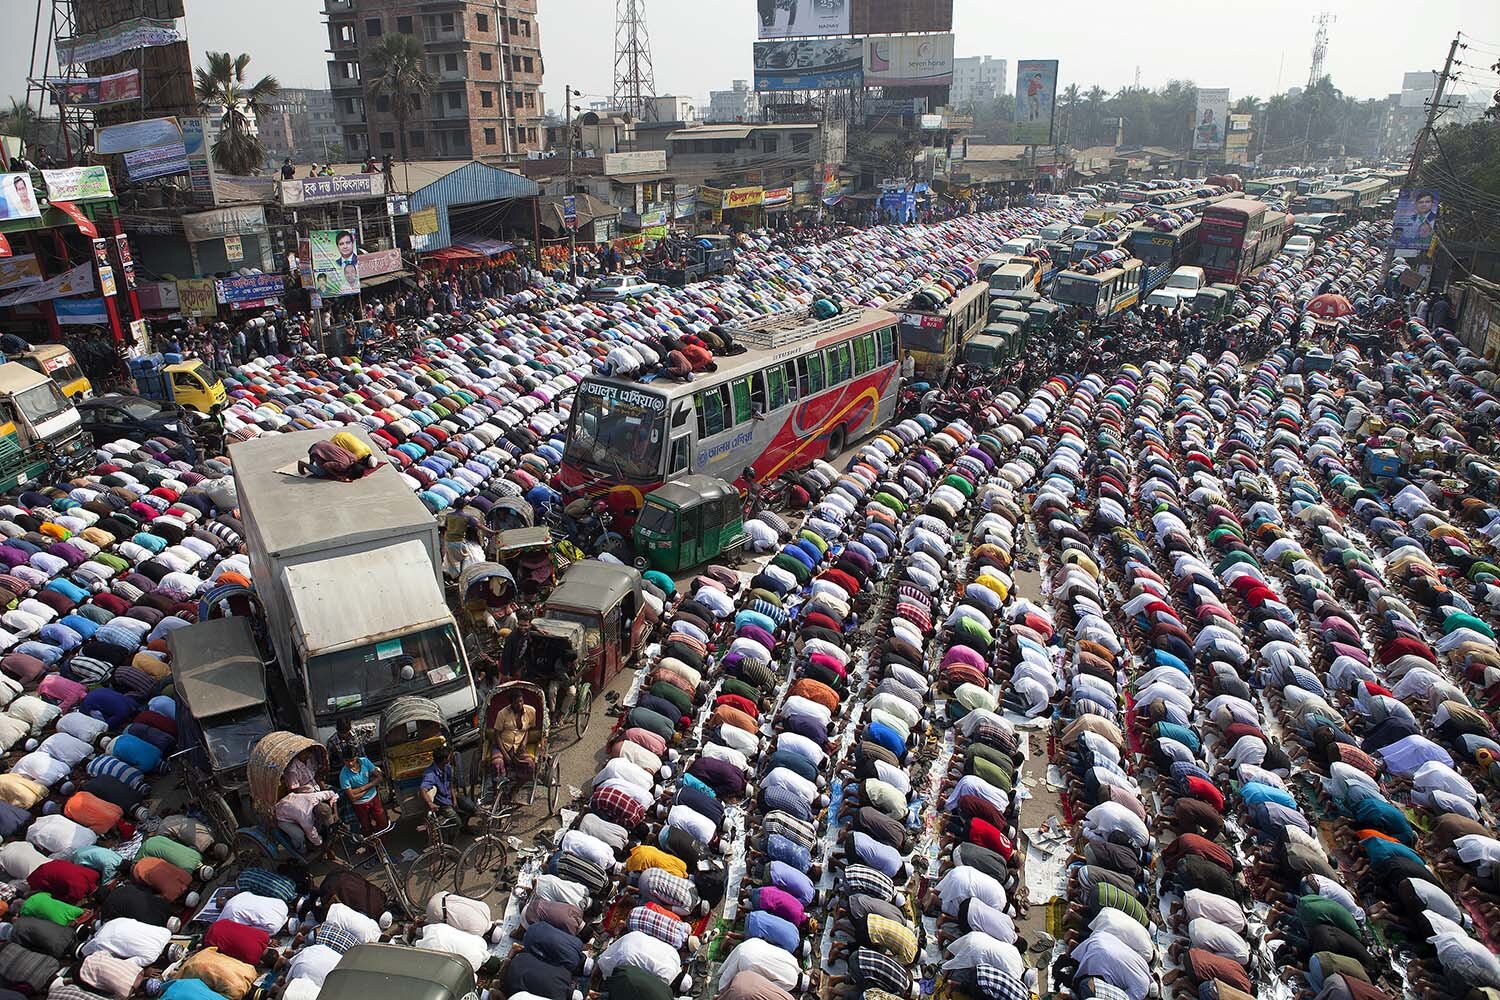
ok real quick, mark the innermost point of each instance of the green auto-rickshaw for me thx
(1044, 316)
(689, 521)
(984, 351)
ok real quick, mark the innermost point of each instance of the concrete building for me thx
(739, 104)
(670, 108)
(486, 59)
(302, 124)
(977, 79)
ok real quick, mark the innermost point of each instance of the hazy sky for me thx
(701, 45)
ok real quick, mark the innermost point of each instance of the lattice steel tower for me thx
(635, 81)
(1320, 49)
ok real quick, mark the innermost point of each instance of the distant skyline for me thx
(701, 46)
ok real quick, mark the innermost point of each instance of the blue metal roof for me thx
(471, 184)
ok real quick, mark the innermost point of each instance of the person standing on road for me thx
(360, 781)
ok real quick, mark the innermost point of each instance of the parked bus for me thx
(1084, 248)
(935, 323)
(1335, 202)
(1271, 187)
(1309, 185)
(1229, 235)
(1366, 193)
(1166, 248)
(801, 390)
(1100, 295)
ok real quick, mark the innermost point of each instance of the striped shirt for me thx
(891, 936)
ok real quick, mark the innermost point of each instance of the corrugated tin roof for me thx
(469, 183)
(711, 132)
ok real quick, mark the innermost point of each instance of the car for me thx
(616, 287)
(1164, 299)
(1301, 245)
(116, 415)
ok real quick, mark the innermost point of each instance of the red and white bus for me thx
(1230, 237)
(801, 390)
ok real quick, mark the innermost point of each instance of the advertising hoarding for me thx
(809, 64)
(909, 61)
(335, 262)
(1036, 101)
(94, 91)
(1416, 220)
(18, 198)
(795, 18)
(894, 17)
(77, 184)
(1211, 121)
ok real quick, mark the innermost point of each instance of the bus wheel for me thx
(836, 441)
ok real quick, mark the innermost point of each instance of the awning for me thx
(447, 254)
(481, 244)
(382, 279)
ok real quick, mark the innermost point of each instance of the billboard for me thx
(909, 61)
(335, 262)
(307, 190)
(22, 269)
(895, 17)
(1416, 220)
(794, 18)
(77, 184)
(197, 146)
(142, 134)
(1211, 121)
(125, 36)
(93, 91)
(809, 64)
(1036, 94)
(17, 198)
(156, 161)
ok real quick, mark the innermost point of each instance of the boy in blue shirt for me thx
(360, 780)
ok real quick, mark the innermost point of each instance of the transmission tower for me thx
(1320, 48)
(635, 81)
(54, 19)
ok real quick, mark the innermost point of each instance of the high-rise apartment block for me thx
(485, 58)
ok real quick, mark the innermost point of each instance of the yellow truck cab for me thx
(58, 363)
(190, 383)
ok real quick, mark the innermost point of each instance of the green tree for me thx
(1092, 115)
(20, 120)
(223, 87)
(1067, 115)
(1463, 165)
(398, 72)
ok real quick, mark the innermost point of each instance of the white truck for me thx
(350, 578)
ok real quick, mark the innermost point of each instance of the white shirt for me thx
(638, 755)
(1112, 817)
(991, 920)
(612, 834)
(620, 769)
(964, 883)
(639, 950)
(758, 955)
(131, 940)
(800, 745)
(976, 948)
(561, 890)
(699, 826)
(1122, 925)
(1198, 903)
(59, 836)
(1215, 937)
(256, 911)
(588, 847)
(312, 962)
(452, 941)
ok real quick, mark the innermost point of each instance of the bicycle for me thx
(437, 867)
(376, 842)
(485, 861)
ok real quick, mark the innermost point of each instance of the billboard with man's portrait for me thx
(1416, 220)
(335, 262)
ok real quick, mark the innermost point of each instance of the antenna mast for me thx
(1320, 48)
(635, 80)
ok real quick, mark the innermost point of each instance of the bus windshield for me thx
(1076, 291)
(618, 430)
(918, 336)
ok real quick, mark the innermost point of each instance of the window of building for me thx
(486, 61)
(382, 103)
(450, 62)
(514, 26)
(530, 65)
(403, 25)
(445, 21)
(455, 99)
(387, 140)
(418, 137)
(526, 29)
(482, 22)
(489, 137)
(346, 34)
(531, 99)
(515, 63)
(486, 98)
(372, 27)
(801, 143)
(768, 143)
(416, 102)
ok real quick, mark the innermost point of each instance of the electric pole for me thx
(568, 94)
(1434, 108)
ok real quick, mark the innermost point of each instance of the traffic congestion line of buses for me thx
(804, 387)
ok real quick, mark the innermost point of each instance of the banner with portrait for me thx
(18, 198)
(1036, 101)
(335, 262)
(1211, 122)
(1416, 220)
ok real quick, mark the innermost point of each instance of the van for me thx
(1022, 272)
(1021, 245)
(991, 264)
(1184, 283)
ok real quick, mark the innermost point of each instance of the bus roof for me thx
(767, 342)
(1106, 274)
(1244, 206)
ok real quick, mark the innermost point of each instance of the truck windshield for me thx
(919, 336)
(41, 403)
(618, 430)
(368, 676)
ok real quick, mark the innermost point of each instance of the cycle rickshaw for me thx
(536, 767)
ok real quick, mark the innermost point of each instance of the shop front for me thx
(740, 208)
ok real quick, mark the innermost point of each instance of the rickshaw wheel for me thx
(434, 870)
(250, 852)
(536, 780)
(482, 866)
(219, 814)
(583, 709)
(554, 785)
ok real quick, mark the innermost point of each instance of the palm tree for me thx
(1093, 113)
(1069, 106)
(398, 71)
(222, 88)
